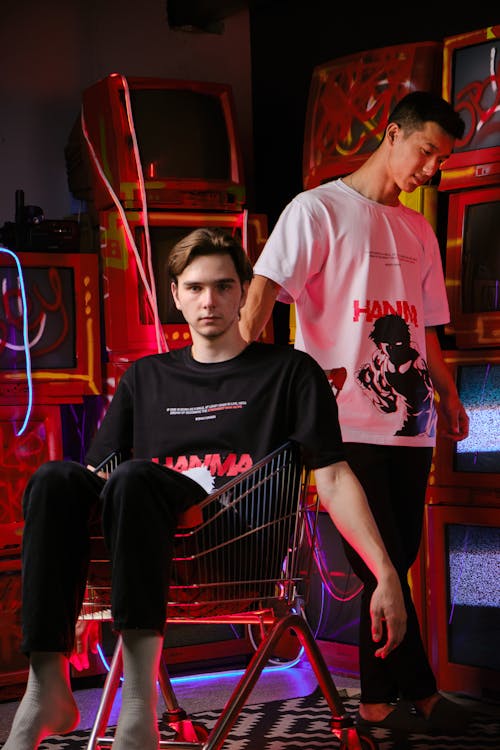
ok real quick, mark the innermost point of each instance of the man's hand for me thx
(453, 419)
(388, 616)
(87, 639)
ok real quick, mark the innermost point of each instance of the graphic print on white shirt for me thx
(397, 378)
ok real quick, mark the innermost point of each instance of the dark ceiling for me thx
(203, 14)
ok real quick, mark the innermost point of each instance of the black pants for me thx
(395, 480)
(138, 506)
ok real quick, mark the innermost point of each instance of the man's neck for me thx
(372, 180)
(219, 349)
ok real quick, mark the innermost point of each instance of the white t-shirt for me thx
(366, 280)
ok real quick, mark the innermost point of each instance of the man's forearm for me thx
(343, 497)
(258, 307)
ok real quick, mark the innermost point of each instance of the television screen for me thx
(471, 82)
(192, 123)
(49, 326)
(462, 547)
(472, 465)
(50, 302)
(350, 99)
(473, 554)
(188, 150)
(473, 266)
(479, 389)
(481, 258)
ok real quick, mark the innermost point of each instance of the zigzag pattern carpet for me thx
(304, 724)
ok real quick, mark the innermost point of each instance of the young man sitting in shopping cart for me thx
(219, 405)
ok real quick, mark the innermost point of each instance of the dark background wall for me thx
(266, 50)
(289, 38)
(51, 51)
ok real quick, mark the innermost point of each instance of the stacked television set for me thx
(463, 509)
(50, 364)
(151, 159)
(350, 99)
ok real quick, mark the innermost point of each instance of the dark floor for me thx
(211, 692)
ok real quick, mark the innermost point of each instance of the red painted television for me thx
(56, 320)
(471, 467)
(471, 82)
(350, 99)
(463, 613)
(180, 137)
(473, 267)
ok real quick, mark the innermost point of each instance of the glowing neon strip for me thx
(214, 675)
(25, 339)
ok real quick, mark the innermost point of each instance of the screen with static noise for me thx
(473, 564)
(479, 390)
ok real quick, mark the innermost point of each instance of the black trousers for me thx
(395, 480)
(138, 507)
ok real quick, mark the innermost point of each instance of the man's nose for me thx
(209, 297)
(431, 166)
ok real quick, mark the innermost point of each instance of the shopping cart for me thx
(242, 557)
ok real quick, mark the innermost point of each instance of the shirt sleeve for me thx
(317, 426)
(116, 430)
(435, 299)
(295, 248)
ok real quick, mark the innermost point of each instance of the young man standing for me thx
(365, 274)
(219, 397)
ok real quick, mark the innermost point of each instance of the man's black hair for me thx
(419, 107)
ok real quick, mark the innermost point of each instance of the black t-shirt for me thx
(218, 419)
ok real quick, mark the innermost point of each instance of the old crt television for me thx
(473, 267)
(463, 564)
(188, 147)
(131, 318)
(471, 82)
(350, 99)
(472, 465)
(58, 323)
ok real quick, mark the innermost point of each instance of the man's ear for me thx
(244, 293)
(392, 131)
(173, 289)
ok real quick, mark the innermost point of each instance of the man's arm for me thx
(343, 497)
(455, 422)
(258, 307)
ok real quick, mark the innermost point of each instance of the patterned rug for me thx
(304, 724)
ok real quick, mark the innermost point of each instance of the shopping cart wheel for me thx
(358, 741)
(189, 731)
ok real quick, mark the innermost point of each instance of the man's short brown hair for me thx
(208, 241)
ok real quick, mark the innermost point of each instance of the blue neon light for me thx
(214, 675)
(25, 339)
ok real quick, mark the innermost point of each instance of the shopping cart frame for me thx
(266, 506)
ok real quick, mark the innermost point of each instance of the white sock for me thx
(47, 707)
(137, 727)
